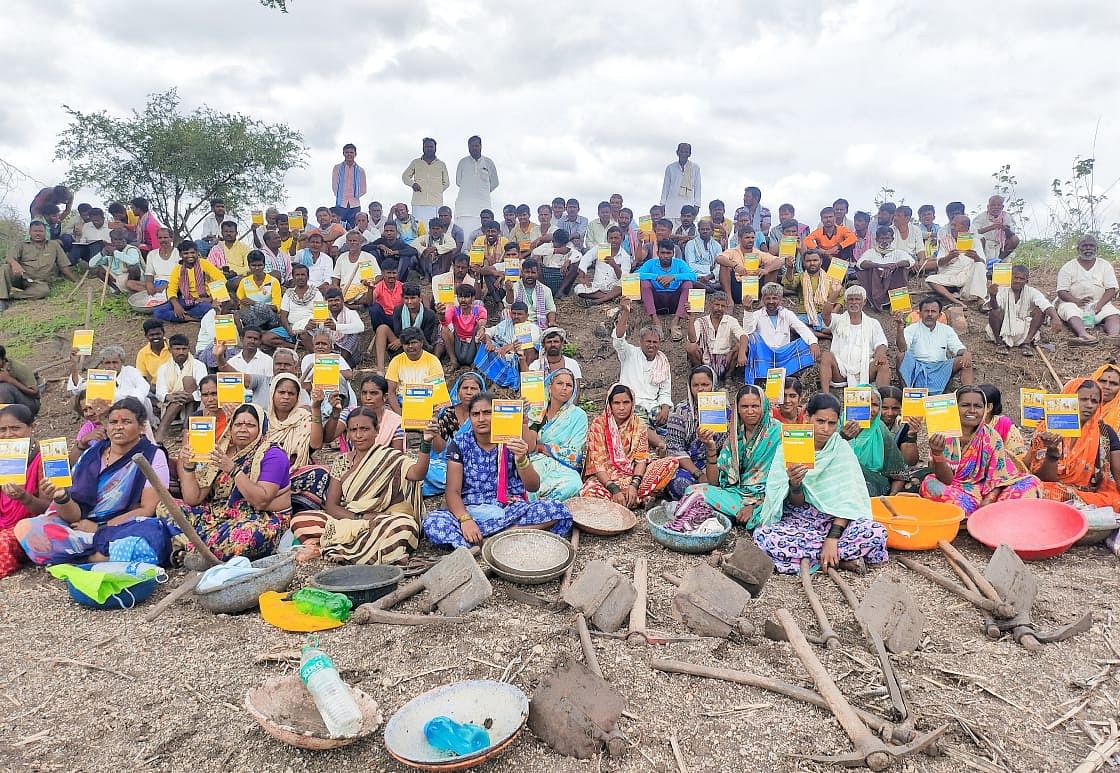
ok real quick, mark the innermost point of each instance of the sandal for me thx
(1026, 351)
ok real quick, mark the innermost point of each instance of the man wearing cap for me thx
(552, 355)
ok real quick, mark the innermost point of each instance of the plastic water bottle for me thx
(332, 697)
(323, 603)
(447, 735)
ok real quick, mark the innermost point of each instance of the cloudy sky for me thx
(807, 99)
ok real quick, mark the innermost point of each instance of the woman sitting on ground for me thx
(791, 411)
(737, 481)
(240, 500)
(451, 420)
(618, 465)
(373, 508)
(298, 431)
(815, 513)
(1108, 379)
(18, 501)
(974, 470)
(884, 469)
(110, 501)
(486, 487)
(1005, 427)
(372, 392)
(561, 438)
(1078, 470)
(682, 438)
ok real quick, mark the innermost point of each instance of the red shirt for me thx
(388, 298)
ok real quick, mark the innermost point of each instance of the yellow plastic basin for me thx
(919, 523)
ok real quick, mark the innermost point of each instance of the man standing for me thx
(428, 178)
(681, 185)
(348, 181)
(574, 223)
(477, 178)
(29, 268)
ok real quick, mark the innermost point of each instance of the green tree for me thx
(279, 5)
(1006, 185)
(179, 160)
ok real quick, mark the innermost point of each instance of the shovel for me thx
(1011, 578)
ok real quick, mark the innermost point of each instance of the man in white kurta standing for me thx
(477, 177)
(682, 183)
(428, 178)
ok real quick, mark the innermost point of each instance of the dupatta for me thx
(830, 486)
(1110, 411)
(613, 448)
(564, 436)
(293, 433)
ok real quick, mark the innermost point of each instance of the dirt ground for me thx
(172, 697)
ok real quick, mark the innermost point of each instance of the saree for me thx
(743, 466)
(564, 438)
(682, 440)
(1085, 474)
(293, 433)
(386, 505)
(879, 458)
(1110, 411)
(983, 470)
(102, 493)
(12, 511)
(614, 449)
(436, 480)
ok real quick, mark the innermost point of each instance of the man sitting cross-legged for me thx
(859, 346)
(932, 351)
(1018, 312)
(772, 344)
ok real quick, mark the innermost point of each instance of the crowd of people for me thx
(424, 295)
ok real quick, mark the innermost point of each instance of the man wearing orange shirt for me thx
(830, 240)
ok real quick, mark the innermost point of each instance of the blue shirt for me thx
(678, 269)
(699, 258)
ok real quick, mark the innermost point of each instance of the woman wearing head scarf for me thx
(561, 438)
(298, 431)
(618, 465)
(815, 513)
(682, 439)
(883, 467)
(238, 501)
(1078, 470)
(1108, 379)
(974, 470)
(451, 420)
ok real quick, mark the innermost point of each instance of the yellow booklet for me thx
(257, 217)
(56, 462)
(751, 262)
(787, 247)
(200, 437)
(13, 460)
(631, 287)
(838, 270)
(445, 294)
(645, 224)
(1032, 406)
(295, 221)
(857, 405)
(749, 287)
(231, 389)
(900, 299)
(366, 272)
(505, 420)
(83, 342)
(914, 402)
(218, 291)
(942, 415)
(1063, 416)
(603, 252)
(225, 329)
(512, 269)
(797, 445)
(477, 255)
(326, 372)
(101, 385)
(965, 242)
(417, 407)
(440, 395)
(696, 299)
(320, 312)
(712, 407)
(523, 332)
(532, 389)
(776, 385)
(1001, 274)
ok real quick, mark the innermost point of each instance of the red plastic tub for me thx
(1033, 528)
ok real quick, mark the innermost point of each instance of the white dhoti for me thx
(967, 274)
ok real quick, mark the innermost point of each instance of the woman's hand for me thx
(431, 430)
(518, 447)
(317, 397)
(631, 492)
(186, 456)
(16, 492)
(830, 555)
(221, 461)
(47, 489)
(622, 497)
(937, 444)
(471, 532)
(796, 473)
(708, 437)
(850, 430)
(1052, 441)
(85, 525)
(916, 423)
(744, 515)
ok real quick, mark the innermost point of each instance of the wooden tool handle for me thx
(831, 640)
(174, 510)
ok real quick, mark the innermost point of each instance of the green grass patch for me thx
(29, 327)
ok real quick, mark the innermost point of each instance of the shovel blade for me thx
(574, 711)
(890, 610)
(1015, 583)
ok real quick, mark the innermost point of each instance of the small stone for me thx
(538, 649)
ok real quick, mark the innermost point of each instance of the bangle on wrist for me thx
(64, 499)
(190, 467)
(522, 463)
(425, 446)
(836, 531)
(614, 488)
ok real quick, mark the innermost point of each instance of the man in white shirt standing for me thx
(681, 185)
(859, 346)
(427, 177)
(477, 177)
(1086, 289)
(645, 369)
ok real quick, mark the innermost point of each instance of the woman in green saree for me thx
(884, 469)
(561, 439)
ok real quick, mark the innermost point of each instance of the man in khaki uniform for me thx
(30, 267)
